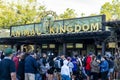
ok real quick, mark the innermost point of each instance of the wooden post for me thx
(103, 48)
(64, 48)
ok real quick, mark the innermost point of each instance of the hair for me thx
(76, 55)
(62, 55)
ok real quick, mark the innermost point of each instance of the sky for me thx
(80, 6)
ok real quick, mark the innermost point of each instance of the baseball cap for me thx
(8, 51)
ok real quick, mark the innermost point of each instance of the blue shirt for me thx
(104, 66)
(74, 61)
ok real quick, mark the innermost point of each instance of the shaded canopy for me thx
(57, 38)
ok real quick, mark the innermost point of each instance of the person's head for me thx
(18, 54)
(33, 54)
(102, 58)
(22, 55)
(62, 56)
(68, 58)
(90, 53)
(65, 62)
(44, 55)
(8, 52)
(76, 56)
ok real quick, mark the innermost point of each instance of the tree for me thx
(6, 15)
(19, 13)
(82, 14)
(93, 14)
(68, 13)
(111, 10)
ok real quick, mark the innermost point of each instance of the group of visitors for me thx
(32, 66)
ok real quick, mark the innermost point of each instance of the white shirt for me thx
(65, 69)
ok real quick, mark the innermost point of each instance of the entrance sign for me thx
(76, 25)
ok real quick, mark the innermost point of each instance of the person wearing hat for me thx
(7, 66)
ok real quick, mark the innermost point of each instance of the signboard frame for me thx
(73, 25)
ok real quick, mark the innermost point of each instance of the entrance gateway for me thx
(69, 36)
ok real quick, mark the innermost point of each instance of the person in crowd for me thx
(70, 65)
(98, 57)
(43, 69)
(87, 66)
(117, 66)
(111, 68)
(95, 68)
(26, 54)
(79, 60)
(75, 69)
(37, 74)
(51, 67)
(65, 73)
(30, 67)
(21, 65)
(57, 65)
(16, 59)
(104, 67)
(7, 66)
(62, 59)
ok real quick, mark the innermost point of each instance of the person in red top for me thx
(87, 66)
(16, 60)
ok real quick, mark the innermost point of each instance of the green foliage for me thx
(20, 13)
(68, 13)
(111, 10)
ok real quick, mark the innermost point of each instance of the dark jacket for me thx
(20, 71)
(30, 65)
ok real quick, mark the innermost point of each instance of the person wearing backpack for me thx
(75, 69)
(57, 64)
(43, 69)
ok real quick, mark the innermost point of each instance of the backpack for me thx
(57, 64)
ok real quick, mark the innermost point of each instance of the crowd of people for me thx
(32, 66)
